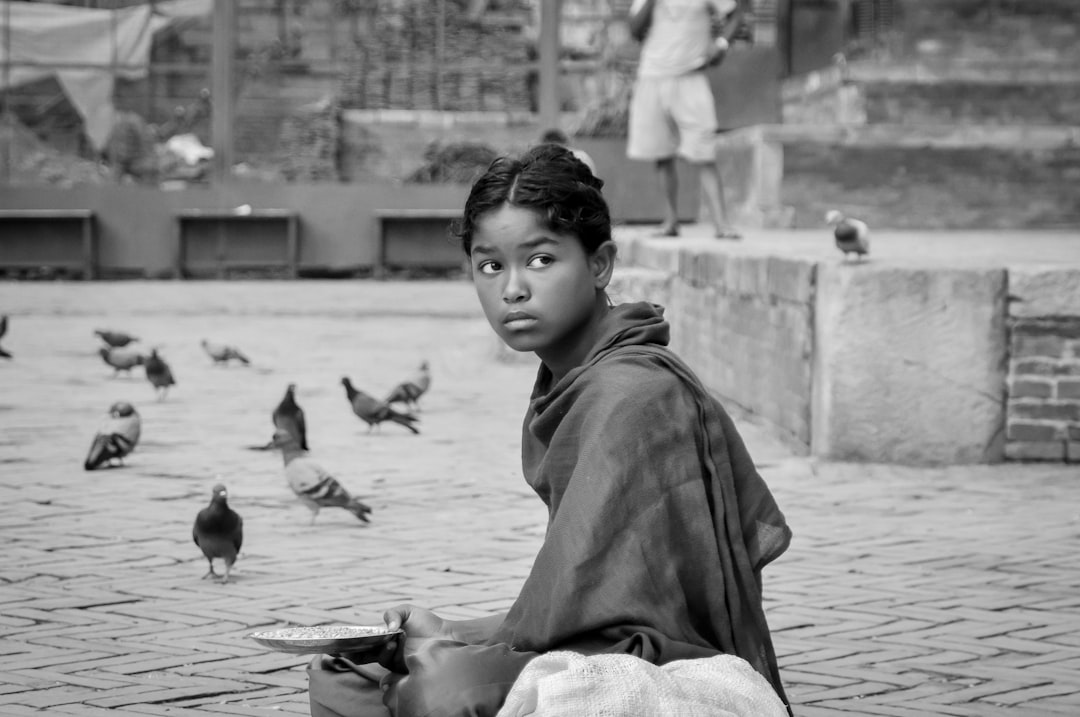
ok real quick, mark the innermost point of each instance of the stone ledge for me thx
(1044, 292)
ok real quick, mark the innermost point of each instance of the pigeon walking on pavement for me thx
(288, 416)
(223, 353)
(219, 532)
(852, 235)
(314, 485)
(115, 338)
(372, 411)
(3, 330)
(159, 374)
(117, 436)
(410, 391)
(121, 359)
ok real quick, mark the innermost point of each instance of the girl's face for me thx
(540, 290)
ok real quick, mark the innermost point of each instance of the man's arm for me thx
(640, 18)
(733, 20)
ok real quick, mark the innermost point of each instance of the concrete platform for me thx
(911, 356)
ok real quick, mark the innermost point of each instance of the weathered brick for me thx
(1068, 328)
(1068, 389)
(1035, 450)
(1045, 410)
(1025, 345)
(1073, 432)
(1033, 367)
(1024, 431)
(1028, 388)
(1072, 451)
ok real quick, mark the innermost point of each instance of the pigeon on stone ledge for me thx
(852, 235)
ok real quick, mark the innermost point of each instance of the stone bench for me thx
(61, 239)
(218, 241)
(416, 239)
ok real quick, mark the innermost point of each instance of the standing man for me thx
(672, 111)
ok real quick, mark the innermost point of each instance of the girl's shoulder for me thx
(638, 374)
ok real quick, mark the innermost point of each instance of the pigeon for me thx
(222, 353)
(3, 330)
(115, 338)
(372, 411)
(410, 391)
(852, 235)
(219, 532)
(158, 373)
(121, 359)
(115, 438)
(288, 416)
(311, 483)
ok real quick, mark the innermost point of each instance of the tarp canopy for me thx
(84, 43)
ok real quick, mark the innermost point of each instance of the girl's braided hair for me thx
(551, 181)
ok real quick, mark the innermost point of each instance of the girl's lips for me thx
(518, 320)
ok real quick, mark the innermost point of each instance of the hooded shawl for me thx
(659, 524)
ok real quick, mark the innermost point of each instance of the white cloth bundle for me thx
(569, 684)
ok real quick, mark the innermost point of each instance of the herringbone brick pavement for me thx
(950, 591)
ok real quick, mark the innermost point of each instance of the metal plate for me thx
(326, 639)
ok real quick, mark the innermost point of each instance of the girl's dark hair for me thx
(551, 181)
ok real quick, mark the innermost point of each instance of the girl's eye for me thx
(488, 267)
(540, 261)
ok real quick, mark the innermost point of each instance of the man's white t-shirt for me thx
(680, 36)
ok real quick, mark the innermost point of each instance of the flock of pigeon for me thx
(218, 529)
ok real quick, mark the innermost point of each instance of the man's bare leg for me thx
(669, 192)
(713, 191)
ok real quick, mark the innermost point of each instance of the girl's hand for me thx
(416, 621)
(418, 624)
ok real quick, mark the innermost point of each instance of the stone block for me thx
(1052, 451)
(1025, 431)
(1044, 292)
(909, 365)
(1028, 345)
(1044, 410)
(1068, 389)
(1031, 389)
(791, 279)
(1033, 367)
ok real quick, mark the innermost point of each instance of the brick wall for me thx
(1043, 418)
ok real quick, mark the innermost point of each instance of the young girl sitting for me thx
(659, 524)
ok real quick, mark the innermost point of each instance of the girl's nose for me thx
(516, 288)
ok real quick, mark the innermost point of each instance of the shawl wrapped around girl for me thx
(659, 526)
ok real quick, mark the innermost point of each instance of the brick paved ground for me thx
(952, 591)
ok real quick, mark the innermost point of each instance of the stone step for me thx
(895, 176)
(929, 93)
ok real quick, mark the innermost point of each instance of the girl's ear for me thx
(602, 262)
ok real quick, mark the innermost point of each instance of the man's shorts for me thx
(672, 115)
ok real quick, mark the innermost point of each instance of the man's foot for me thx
(667, 230)
(728, 233)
